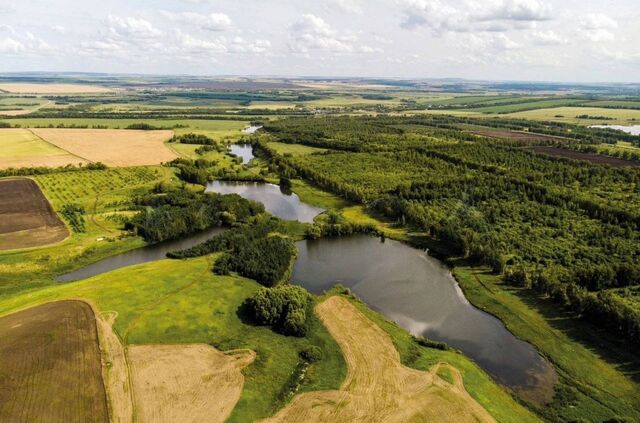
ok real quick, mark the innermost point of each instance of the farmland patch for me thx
(26, 217)
(50, 365)
(113, 147)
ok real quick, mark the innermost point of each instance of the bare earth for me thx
(113, 147)
(26, 216)
(186, 383)
(50, 365)
(52, 88)
(378, 387)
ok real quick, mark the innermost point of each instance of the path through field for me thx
(378, 387)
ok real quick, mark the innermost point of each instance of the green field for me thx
(568, 115)
(23, 143)
(295, 149)
(218, 129)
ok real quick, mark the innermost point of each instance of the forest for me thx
(567, 228)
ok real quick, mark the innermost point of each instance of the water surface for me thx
(286, 206)
(631, 129)
(244, 151)
(139, 255)
(419, 293)
(251, 129)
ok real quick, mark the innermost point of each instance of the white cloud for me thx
(198, 45)
(59, 29)
(311, 33)
(349, 6)
(210, 22)
(10, 45)
(547, 38)
(473, 15)
(597, 27)
(132, 28)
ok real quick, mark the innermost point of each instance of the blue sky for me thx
(551, 40)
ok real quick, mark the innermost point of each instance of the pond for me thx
(286, 206)
(631, 129)
(244, 151)
(139, 255)
(419, 293)
(404, 284)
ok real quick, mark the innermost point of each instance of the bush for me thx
(282, 308)
(311, 354)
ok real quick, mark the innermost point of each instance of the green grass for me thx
(218, 129)
(23, 143)
(543, 104)
(317, 197)
(568, 115)
(184, 302)
(596, 373)
(479, 385)
(295, 149)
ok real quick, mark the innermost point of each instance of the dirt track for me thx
(50, 368)
(26, 217)
(378, 387)
(589, 157)
(186, 383)
(113, 147)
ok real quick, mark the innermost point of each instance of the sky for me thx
(527, 40)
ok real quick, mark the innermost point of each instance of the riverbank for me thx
(598, 377)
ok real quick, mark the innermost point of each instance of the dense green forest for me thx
(568, 228)
(256, 250)
(176, 213)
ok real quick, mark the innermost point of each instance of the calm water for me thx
(242, 150)
(285, 206)
(631, 129)
(251, 129)
(404, 284)
(420, 294)
(140, 255)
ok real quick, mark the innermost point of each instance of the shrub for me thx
(311, 354)
(282, 308)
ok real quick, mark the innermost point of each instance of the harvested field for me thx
(113, 147)
(378, 387)
(52, 88)
(590, 157)
(26, 217)
(22, 148)
(186, 383)
(50, 368)
(516, 135)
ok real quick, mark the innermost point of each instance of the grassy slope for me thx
(620, 116)
(21, 143)
(295, 149)
(183, 302)
(601, 383)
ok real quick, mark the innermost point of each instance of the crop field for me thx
(378, 387)
(50, 365)
(568, 115)
(186, 383)
(590, 157)
(112, 147)
(218, 129)
(23, 88)
(26, 217)
(22, 148)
